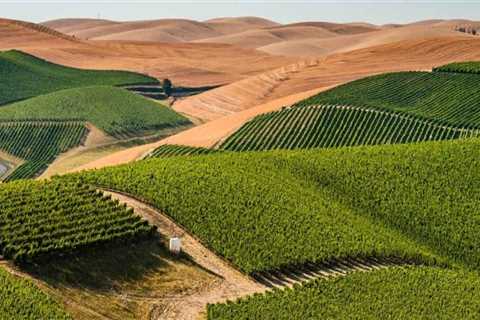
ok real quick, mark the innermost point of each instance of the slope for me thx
(447, 98)
(24, 76)
(116, 111)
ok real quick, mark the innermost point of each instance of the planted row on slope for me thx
(335, 126)
(393, 293)
(266, 210)
(448, 99)
(38, 143)
(250, 209)
(113, 110)
(460, 67)
(25, 76)
(170, 150)
(20, 299)
(39, 220)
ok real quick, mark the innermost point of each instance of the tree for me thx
(167, 87)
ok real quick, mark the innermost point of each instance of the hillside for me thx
(446, 98)
(22, 300)
(25, 76)
(406, 293)
(38, 143)
(116, 111)
(422, 106)
(323, 182)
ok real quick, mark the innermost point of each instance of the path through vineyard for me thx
(233, 284)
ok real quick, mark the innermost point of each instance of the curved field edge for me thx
(267, 210)
(460, 67)
(443, 98)
(25, 76)
(38, 143)
(399, 292)
(116, 111)
(332, 126)
(21, 299)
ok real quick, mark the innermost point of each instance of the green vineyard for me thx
(20, 299)
(169, 150)
(336, 126)
(39, 220)
(25, 76)
(115, 111)
(460, 67)
(447, 99)
(38, 143)
(395, 293)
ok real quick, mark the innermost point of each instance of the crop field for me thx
(38, 143)
(25, 76)
(116, 111)
(336, 126)
(20, 299)
(448, 99)
(460, 67)
(41, 220)
(400, 293)
(169, 150)
(268, 199)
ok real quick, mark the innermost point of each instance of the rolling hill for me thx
(116, 111)
(25, 76)
(384, 109)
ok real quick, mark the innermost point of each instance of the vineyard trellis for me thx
(39, 220)
(329, 126)
(38, 143)
(170, 150)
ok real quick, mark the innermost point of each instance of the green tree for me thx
(167, 87)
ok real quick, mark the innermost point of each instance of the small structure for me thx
(175, 245)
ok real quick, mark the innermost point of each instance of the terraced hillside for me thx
(20, 299)
(329, 126)
(41, 220)
(169, 150)
(38, 143)
(25, 76)
(460, 67)
(390, 108)
(116, 111)
(399, 293)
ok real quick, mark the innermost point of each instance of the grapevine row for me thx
(330, 126)
(38, 143)
(39, 220)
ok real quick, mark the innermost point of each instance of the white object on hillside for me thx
(175, 245)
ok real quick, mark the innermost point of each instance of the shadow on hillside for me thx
(108, 268)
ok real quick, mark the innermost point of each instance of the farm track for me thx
(234, 284)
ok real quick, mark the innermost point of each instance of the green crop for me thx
(395, 293)
(460, 67)
(169, 150)
(39, 220)
(25, 76)
(444, 98)
(336, 126)
(38, 143)
(116, 111)
(20, 299)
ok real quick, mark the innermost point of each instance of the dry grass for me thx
(134, 282)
